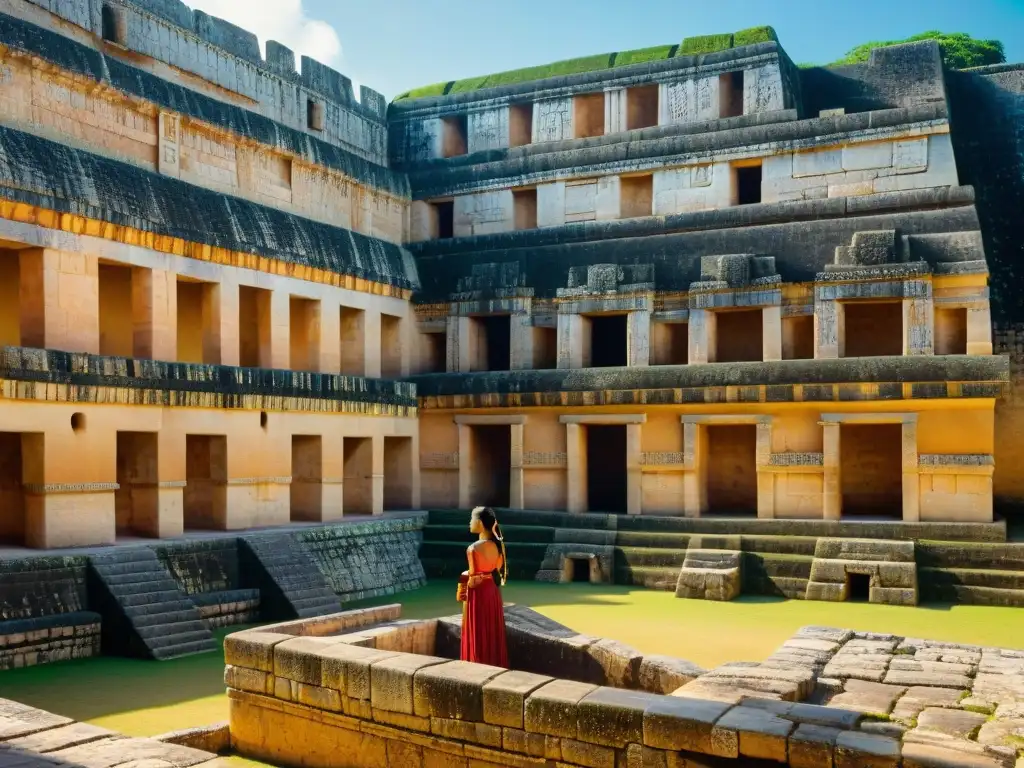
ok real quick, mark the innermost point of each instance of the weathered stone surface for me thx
(927, 679)
(621, 663)
(761, 734)
(505, 695)
(918, 755)
(453, 690)
(681, 724)
(855, 749)
(613, 717)
(391, 681)
(551, 709)
(346, 668)
(917, 698)
(63, 737)
(812, 746)
(868, 698)
(664, 674)
(950, 722)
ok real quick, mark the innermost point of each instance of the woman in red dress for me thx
(483, 616)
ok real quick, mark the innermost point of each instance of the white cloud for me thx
(280, 20)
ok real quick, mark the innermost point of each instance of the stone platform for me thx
(365, 688)
(32, 738)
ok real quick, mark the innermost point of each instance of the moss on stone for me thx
(754, 35)
(693, 46)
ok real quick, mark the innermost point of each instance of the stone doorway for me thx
(858, 587)
(609, 341)
(307, 488)
(606, 468)
(492, 465)
(732, 469)
(398, 472)
(584, 568)
(871, 470)
(357, 489)
(205, 498)
(13, 511)
(136, 500)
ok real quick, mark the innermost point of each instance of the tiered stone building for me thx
(232, 294)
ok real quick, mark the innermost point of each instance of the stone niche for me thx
(366, 688)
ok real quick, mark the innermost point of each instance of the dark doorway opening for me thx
(497, 339)
(606, 468)
(858, 587)
(732, 469)
(445, 219)
(608, 340)
(748, 185)
(492, 462)
(871, 470)
(580, 569)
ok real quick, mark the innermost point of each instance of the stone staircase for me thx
(712, 568)
(290, 584)
(145, 612)
(889, 565)
(962, 572)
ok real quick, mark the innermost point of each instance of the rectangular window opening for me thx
(443, 224)
(524, 202)
(113, 24)
(520, 124)
(454, 132)
(609, 340)
(951, 331)
(747, 189)
(314, 115)
(872, 328)
(739, 336)
(730, 94)
(433, 347)
(588, 115)
(642, 107)
(798, 337)
(670, 343)
(636, 196)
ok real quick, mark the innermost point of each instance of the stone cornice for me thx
(843, 380)
(49, 375)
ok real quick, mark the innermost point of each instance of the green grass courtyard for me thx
(144, 698)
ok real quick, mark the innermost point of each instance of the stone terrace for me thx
(386, 692)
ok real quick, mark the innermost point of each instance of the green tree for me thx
(959, 50)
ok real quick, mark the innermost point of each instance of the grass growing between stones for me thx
(145, 698)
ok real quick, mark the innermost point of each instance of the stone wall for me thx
(366, 560)
(229, 57)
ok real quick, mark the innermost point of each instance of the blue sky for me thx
(394, 45)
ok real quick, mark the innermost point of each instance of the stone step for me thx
(292, 585)
(143, 603)
(970, 577)
(972, 595)
(650, 557)
(651, 578)
(165, 653)
(710, 574)
(712, 558)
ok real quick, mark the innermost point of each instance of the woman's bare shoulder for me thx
(482, 544)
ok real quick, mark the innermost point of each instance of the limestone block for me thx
(817, 163)
(391, 681)
(1002, 733)
(835, 593)
(960, 755)
(689, 101)
(552, 120)
(930, 679)
(453, 690)
(297, 659)
(462, 730)
(868, 698)
(812, 746)
(346, 669)
(763, 90)
(505, 695)
(956, 723)
(620, 662)
(551, 204)
(613, 717)
(664, 674)
(484, 213)
(253, 649)
(583, 753)
(855, 749)
(488, 129)
(859, 157)
(252, 680)
(317, 697)
(551, 709)
(533, 744)
(761, 734)
(910, 155)
(675, 723)
(55, 739)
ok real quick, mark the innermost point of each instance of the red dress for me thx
(483, 620)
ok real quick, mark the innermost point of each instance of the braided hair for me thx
(490, 522)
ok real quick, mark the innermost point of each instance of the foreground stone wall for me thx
(367, 690)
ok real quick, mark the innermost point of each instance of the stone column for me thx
(170, 473)
(634, 477)
(829, 329)
(918, 326)
(59, 297)
(414, 468)
(765, 479)
(332, 476)
(377, 475)
(465, 466)
(771, 322)
(516, 484)
(576, 468)
(702, 341)
(155, 310)
(694, 476)
(615, 110)
(220, 324)
(638, 331)
(979, 330)
(571, 341)
(371, 339)
(280, 330)
(911, 479)
(330, 334)
(521, 357)
(832, 497)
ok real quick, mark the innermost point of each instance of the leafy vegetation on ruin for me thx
(959, 50)
(691, 46)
